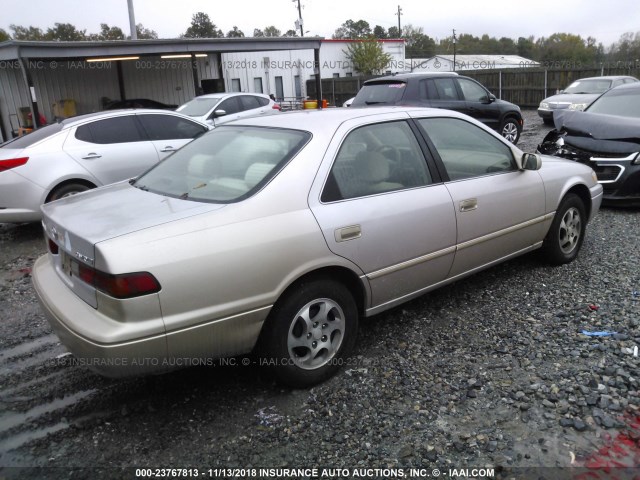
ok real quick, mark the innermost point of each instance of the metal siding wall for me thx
(83, 82)
(13, 95)
(164, 80)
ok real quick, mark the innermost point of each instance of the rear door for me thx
(111, 149)
(442, 93)
(168, 133)
(380, 206)
(499, 209)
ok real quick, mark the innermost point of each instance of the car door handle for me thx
(468, 204)
(348, 233)
(91, 156)
(168, 148)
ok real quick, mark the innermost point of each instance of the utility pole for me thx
(299, 21)
(132, 21)
(398, 14)
(454, 49)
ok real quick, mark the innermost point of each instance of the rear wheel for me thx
(67, 190)
(309, 332)
(566, 234)
(510, 130)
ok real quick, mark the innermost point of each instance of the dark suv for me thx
(444, 90)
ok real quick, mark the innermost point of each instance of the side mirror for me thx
(492, 98)
(219, 113)
(531, 161)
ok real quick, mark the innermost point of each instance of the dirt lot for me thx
(491, 372)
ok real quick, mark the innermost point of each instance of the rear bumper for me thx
(20, 199)
(145, 349)
(62, 308)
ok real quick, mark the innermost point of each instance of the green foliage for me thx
(202, 27)
(271, 32)
(627, 48)
(26, 33)
(379, 32)
(145, 33)
(235, 33)
(4, 36)
(65, 32)
(290, 33)
(393, 32)
(417, 44)
(367, 56)
(353, 30)
(107, 33)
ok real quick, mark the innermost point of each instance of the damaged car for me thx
(607, 138)
(579, 95)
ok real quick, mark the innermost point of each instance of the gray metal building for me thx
(55, 78)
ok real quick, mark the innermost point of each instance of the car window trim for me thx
(435, 180)
(438, 159)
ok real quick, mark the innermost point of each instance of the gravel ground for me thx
(492, 371)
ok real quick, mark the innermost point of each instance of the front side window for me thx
(466, 150)
(230, 106)
(226, 165)
(110, 130)
(471, 91)
(169, 127)
(376, 159)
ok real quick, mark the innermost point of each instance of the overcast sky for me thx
(604, 20)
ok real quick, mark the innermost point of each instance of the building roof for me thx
(515, 60)
(14, 49)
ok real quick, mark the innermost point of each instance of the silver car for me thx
(219, 108)
(579, 95)
(276, 234)
(85, 152)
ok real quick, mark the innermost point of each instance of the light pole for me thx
(132, 21)
(299, 21)
(399, 28)
(454, 49)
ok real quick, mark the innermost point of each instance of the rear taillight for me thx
(276, 107)
(10, 163)
(127, 285)
(53, 247)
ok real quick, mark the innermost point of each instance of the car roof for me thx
(412, 75)
(88, 117)
(321, 120)
(230, 94)
(606, 77)
(626, 86)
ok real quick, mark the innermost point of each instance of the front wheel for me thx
(566, 234)
(510, 130)
(309, 333)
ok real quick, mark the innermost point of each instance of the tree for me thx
(26, 33)
(107, 33)
(627, 48)
(202, 27)
(367, 56)
(258, 33)
(418, 45)
(145, 33)
(526, 47)
(393, 32)
(271, 32)
(290, 33)
(379, 32)
(4, 36)
(235, 33)
(65, 32)
(351, 29)
(565, 47)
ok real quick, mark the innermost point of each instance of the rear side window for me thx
(249, 102)
(446, 89)
(110, 130)
(262, 101)
(169, 127)
(376, 159)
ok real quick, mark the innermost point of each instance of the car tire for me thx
(309, 332)
(510, 129)
(565, 237)
(67, 190)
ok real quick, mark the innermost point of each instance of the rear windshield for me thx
(379, 94)
(622, 102)
(226, 165)
(33, 137)
(198, 106)
(589, 86)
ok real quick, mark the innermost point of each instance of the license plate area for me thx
(68, 266)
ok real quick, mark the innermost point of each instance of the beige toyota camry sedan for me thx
(276, 235)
